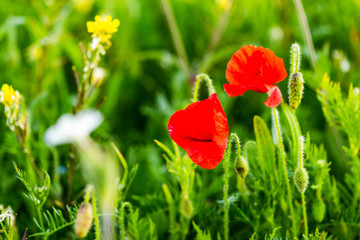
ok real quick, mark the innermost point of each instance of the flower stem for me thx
(282, 153)
(176, 36)
(200, 77)
(304, 213)
(306, 30)
(96, 218)
(232, 137)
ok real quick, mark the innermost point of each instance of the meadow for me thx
(179, 119)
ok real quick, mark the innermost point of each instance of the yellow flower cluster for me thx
(11, 99)
(103, 28)
(8, 96)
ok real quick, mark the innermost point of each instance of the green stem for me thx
(282, 153)
(40, 219)
(232, 137)
(304, 213)
(306, 30)
(96, 218)
(176, 36)
(200, 77)
(170, 202)
(226, 193)
(4, 231)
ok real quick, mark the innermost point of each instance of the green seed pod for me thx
(319, 209)
(301, 178)
(83, 220)
(296, 88)
(241, 167)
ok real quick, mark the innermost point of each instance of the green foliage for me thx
(38, 195)
(55, 221)
(148, 78)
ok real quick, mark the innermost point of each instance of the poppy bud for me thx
(83, 220)
(296, 88)
(301, 178)
(241, 167)
(319, 209)
(188, 208)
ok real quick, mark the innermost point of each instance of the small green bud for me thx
(301, 178)
(188, 208)
(241, 167)
(83, 220)
(319, 209)
(296, 88)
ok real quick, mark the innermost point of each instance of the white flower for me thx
(72, 128)
(7, 214)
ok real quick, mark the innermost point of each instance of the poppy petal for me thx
(275, 96)
(234, 90)
(255, 68)
(202, 130)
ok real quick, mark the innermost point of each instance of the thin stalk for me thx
(304, 213)
(226, 192)
(200, 77)
(172, 214)
(40, 219)
(176, 36)
(4, 231)
(232, 137)
(306, 30)
(301, 165)
(96, 218)
(282, 153)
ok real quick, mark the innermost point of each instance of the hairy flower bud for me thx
(241, 167)
(319, 209)
(301, 178)
(296, 88)
(83, 220)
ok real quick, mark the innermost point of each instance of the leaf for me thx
(201, 235)
(265, 146)
(295, 130)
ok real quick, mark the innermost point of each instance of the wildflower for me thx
(202, 130)
(8, 96)
(103, 28)
(15, 114)
(70, 128)
(257, 69)
(7, 214)
(98, 76)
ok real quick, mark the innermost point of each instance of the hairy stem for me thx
(282, 153)
(96, 218)
(304, 213)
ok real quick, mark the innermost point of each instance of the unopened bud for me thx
(296, 88)
(241, 167)
(301, 178)
(319, 209)
(83, 220)
(188, 208)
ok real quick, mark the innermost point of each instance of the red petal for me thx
(252, 68)
(202, 130)
(274, 98)
(234, 90)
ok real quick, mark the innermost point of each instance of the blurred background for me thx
(150, 72)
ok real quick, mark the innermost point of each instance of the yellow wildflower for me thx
(8, 95)
(103, 28)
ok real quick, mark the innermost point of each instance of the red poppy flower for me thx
(202, 130)
(257, 69)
